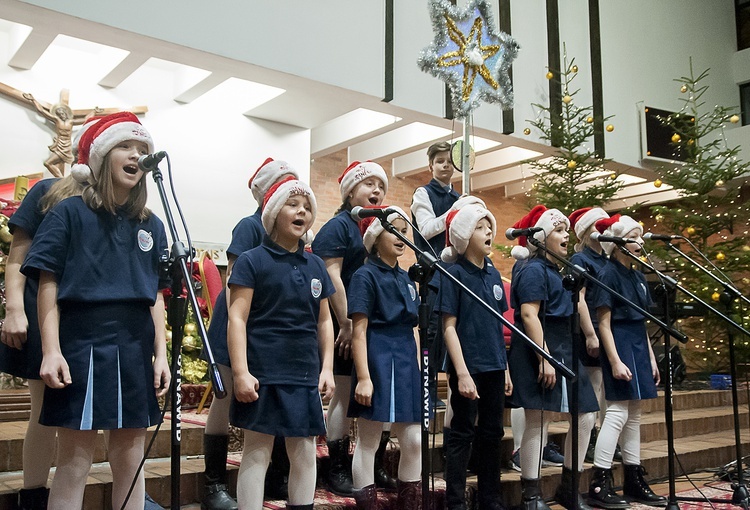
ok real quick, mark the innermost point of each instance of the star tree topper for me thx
(470, 55)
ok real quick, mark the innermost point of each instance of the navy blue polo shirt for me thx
(592, 262)
(540, 280)
(247, 234)
(29, 215)
(441, 199)
(630, 283)
(340, 238)
(480, 334)
(385, 294)
(282, 327)
(97, 256)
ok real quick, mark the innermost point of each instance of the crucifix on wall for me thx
(63, 119)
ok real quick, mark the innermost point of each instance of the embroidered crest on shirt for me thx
(316, 288)
(497, 290)
(412, 292)
(145, 240)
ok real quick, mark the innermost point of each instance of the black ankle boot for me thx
(340, 469)
(277, 475)
(564, 493)
(366, 498)
(532, 495)
(33, 499)
(382, 479)
(216, 495)
(636, 488)
(602, 493)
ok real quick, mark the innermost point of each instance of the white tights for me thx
(337, 425)
(535, 437)
(368, 440)
(39, 443)
(217, 423)
(255, 458)
(623, 421)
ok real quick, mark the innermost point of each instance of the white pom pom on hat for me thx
(459, 227)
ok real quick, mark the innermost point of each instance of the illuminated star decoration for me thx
(470, 55)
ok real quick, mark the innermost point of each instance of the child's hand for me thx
(162, 375)
(467, 388)
(363, 392)
(655, 371)
(326, 384)
(55, 372)
(343, 343)
(246, 388)
(592, 346)
(508, 384)
(547, 376)
(621, 371)
(14, 329)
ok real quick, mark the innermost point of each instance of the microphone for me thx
(513, 233)
(148, 162)
(359, 213)
(619, 241)
(660, 237)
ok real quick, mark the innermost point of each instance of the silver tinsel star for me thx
(470, 55)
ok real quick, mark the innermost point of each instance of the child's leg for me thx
(630, 439)
(302, 470)
(597, 383)
(256, 454)
(126, 448)
(363, 463)
(215, 445)
(534, 438)
(458, 445)
(338, 423)
(517, 426)
(410, 442)
(491, 404)
(614, 421)
(75, 452)
(585, 423)
(39, 444)
(217, 423)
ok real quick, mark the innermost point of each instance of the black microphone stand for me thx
(176, 316)
(426, 260)
(741, 496)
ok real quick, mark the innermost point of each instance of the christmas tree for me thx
(575, 176)
(712, 213)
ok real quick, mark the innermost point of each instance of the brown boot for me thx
(409, 495)
(366, 498)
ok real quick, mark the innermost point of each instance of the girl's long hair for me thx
(100, 194)
(60, 190)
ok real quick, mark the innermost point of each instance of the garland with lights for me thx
(712, 212)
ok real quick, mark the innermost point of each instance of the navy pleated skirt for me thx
(284, 410)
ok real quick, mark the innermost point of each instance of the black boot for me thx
(456, 460)
(301, 507)
(382, 479)
(592, 445)
(409, 495)
(340, 469)
(33, 499)
(532, 495)
(602, 493)
(277, 475)
(564, 493)
(366, 498)
(636, 488)
(488, 468)
(216, 495)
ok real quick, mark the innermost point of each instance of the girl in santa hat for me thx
(279, 304)
(629, 369)
(339, 244)
(383, 306)
(544, 310)
(101, 313)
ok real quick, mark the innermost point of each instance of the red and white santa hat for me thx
(102, 137)
(581, 220)
(371, 227)
(267, 174)
(617, 226)
(358, 172)
(85, 127)
(539, 216)
(277, 196)
(459, 227)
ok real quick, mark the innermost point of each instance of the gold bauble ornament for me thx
(657, 183)
(190, 343)
(609, 128)
(572, 164)
(734, 119)
(690, 231)
(190, 328)
(719, 183)
(5, 235)
(716, 296)
(676, 138)
(527, 131)
(613, 175)
(549, 75)
(683, 89)
(169, 335)
(574, 69)
(720, 256)
(589, 119)
(690, 141)
(746, 248)
(567, 99)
